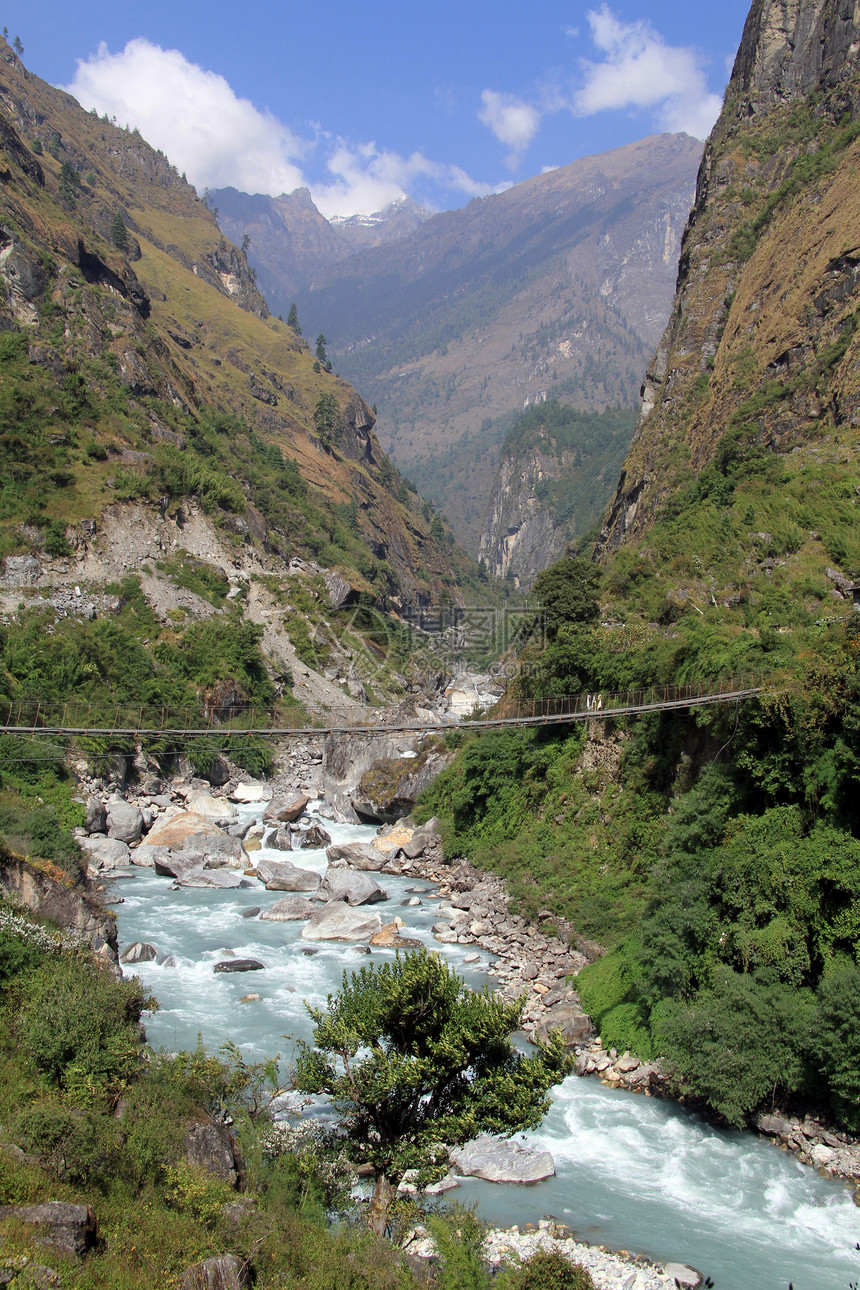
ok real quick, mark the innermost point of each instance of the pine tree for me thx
(320, 351)
(119, 232)
(293, 319)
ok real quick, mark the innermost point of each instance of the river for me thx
(633, 1172)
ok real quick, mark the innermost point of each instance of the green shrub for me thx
(547, 1270)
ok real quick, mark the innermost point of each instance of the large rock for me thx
(173, 831)
(283, 875)
(289, 909)
(67, 1227)
(568, 1017)
(239, 965)
(105, 853)
(124, 821)
(389, 788)
(95, 819)
(388, 937)
(138, 952)
(280, 839)
(338, 921)
(284, 811)
(225, 879)
(499, 1161)
(354, 888)
(314, 838)
(209, 1146)
(211, 808)
(252, 792)
(358, 855)
(144, 855)
(224, 1272)
(219, 849)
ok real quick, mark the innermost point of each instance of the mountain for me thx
(291, 243)
(559, 286)
(148, 355)
(752, 400)
(557, 468)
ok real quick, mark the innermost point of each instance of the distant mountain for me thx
(291, 243)
(560, 286)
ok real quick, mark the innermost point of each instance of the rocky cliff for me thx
(556, 471)
(754, 386)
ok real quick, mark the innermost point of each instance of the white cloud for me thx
(221, 140)
(367, 179)
(513, 121)
(193, 115)
(639, 70)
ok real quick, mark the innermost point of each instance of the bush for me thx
(548, 1270)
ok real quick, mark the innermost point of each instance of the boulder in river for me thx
(283, 875)
(314, 838)
(501, 1161)
(138, 952)
(226, 879)
(287, 812)
(124, 820)
(173, 831)
(388, 937)
(255, 791)
(568, 1017)
(356, 855)
(289, 909)
(354, 888)
(337, 921)
(211, 808)
(219, 849)
(280, 839)
(104, 853)
(239, 965)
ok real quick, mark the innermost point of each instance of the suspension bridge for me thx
(100, 721)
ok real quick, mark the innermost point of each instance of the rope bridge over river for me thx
(76, 720)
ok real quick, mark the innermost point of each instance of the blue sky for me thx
(364, 102)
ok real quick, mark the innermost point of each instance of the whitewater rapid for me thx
(633, 1172)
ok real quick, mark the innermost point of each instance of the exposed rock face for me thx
(224, 1272)
(741, 323)
(69, 1228)
(210, 1146)
(390, 787)
(65, 907)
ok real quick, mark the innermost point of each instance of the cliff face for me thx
(759, 359)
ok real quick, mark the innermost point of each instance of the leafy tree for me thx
(327, 418)
(411, 1057)
(838, 1036)
(119, 232)
(293, 319)
(568, 593)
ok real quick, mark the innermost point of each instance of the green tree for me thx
(293, 319)
(119, 232)
(320, 349)
(37, 147)
(838, 1040)
(246, 243)
(411, 1057)
(568, 593)
(17, 46)
(327, 419)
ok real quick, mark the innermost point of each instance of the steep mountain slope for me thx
(752, 401)
(557, 467)
(559, 285)
(149, 366)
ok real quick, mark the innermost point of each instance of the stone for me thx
(280, 839)
(626, 1064)
(223, 1272)
(389, 937)
(209, 1146)
(21, 570)
(95, 817)
(775, 1126)
(67, 1227)
(124, 821)
(226, 879)
(253, 791)
(358, 855)
(105, 853)
(219, 850)
(286, 812)
(314, 839)
(289, 909)
(251, 912)
(338, 921)
(500, 1161)
(173, 831)
(574, 1024)
(682, 1275)
(138, 952)
(143, 855)
(251, 998)
(354, 888)
(282, 875)
(239, 965)
(821, 1156)
(211, 808)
